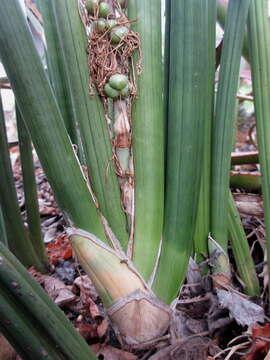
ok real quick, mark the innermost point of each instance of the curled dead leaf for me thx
(60, 249)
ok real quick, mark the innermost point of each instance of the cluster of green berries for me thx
(102, 9)
(117, 86)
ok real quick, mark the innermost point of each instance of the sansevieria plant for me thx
(136, 149)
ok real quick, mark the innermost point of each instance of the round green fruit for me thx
(118, 81)
(91, 6)
(124, 93)
(101, 25)
(110, 92)
(118, 33)
(104, 9)
(111, 23)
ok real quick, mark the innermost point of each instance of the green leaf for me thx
(259, 46)
(18, 240)
(56, 70)
(148, 137)
(30, 190)
(241, 251)
(222, 13)
(203, 216)
(188, 91)
(90, 115)
(39, 108)
(223, 127)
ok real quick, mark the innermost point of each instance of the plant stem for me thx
(246, 180)
(242, 158)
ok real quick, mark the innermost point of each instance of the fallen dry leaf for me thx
(60, 249)
(244, 311)
(111, 353)
(56, 289)
(85, 287)
(6, 350)
(259, 347)
(87, 331)
(102, 328)
(192, 348)
(182, 325)
(94, 310)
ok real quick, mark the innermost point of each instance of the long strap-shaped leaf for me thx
(223, 127)
(259, 45)
(38, 106)
(18, 241)
(203, 215)
(148, 137)
(3, 237)
(241, 251)
(30, 189)
(222, 13)
(186, 116)
(90, 114)
(57, 71)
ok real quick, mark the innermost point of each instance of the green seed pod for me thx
(91, 6)
(110, 92)
(118, 81)
(124, 93)
(104, 9)
(118, 33)
(111, 23)
(101, 25)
